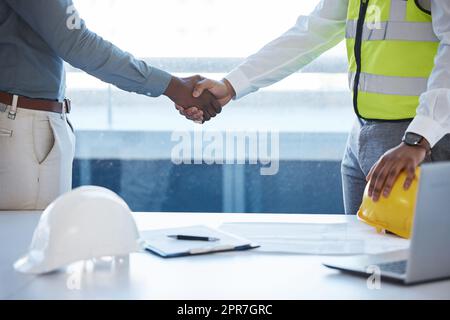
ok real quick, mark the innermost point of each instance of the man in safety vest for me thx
(399, 72)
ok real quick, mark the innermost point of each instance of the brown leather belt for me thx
(36, 104)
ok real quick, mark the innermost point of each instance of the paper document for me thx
(158, 242)
(317, 238)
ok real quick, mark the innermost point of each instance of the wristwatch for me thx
(416, 140)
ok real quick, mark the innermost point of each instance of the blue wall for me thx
(159, 185)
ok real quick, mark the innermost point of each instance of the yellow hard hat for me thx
(395, 213)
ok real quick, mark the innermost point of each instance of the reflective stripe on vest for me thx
(373, 83)
(394, 30)
(391, 48)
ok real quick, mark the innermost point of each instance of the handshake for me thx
(199, 99)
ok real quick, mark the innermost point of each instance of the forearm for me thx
(433, 114)
(107, 62)
(70, 39)
(310, 37)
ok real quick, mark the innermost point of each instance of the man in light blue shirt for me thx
(36, 150)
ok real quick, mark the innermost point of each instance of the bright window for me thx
(124, 140)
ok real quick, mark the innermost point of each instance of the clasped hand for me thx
(200, 99)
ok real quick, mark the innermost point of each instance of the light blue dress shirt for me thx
(36, 36)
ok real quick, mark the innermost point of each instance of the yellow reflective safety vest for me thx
(391, 48)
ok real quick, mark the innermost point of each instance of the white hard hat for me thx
(88, 222)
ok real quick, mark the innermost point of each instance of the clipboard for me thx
(158, 242)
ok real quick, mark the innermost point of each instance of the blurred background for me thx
(124, 140)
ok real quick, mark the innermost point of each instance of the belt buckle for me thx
(12, 115)
(13, 110)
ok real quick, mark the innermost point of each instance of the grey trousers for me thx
(367, 142)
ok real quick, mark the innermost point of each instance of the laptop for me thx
(428, 257)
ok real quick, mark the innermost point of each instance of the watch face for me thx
(412, 138)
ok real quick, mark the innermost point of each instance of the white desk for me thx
(234, 275)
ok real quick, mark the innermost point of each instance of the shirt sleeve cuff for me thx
(427, 128)
(157, 83)
(240, 83)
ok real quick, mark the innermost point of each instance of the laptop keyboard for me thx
(398, 267)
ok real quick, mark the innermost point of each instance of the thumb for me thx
(202, 86)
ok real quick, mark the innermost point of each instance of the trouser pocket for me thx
(70, 125)
(43, 138)
(5, 133)
(55, 171)
(377, 138)
(6, 130)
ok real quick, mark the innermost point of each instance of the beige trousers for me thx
(36, 154)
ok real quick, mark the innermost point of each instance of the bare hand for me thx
(385, 172)
(221, 90)
(180, 91)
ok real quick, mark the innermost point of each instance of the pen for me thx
(192, 238)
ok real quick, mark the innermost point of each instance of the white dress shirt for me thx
(323, 29)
